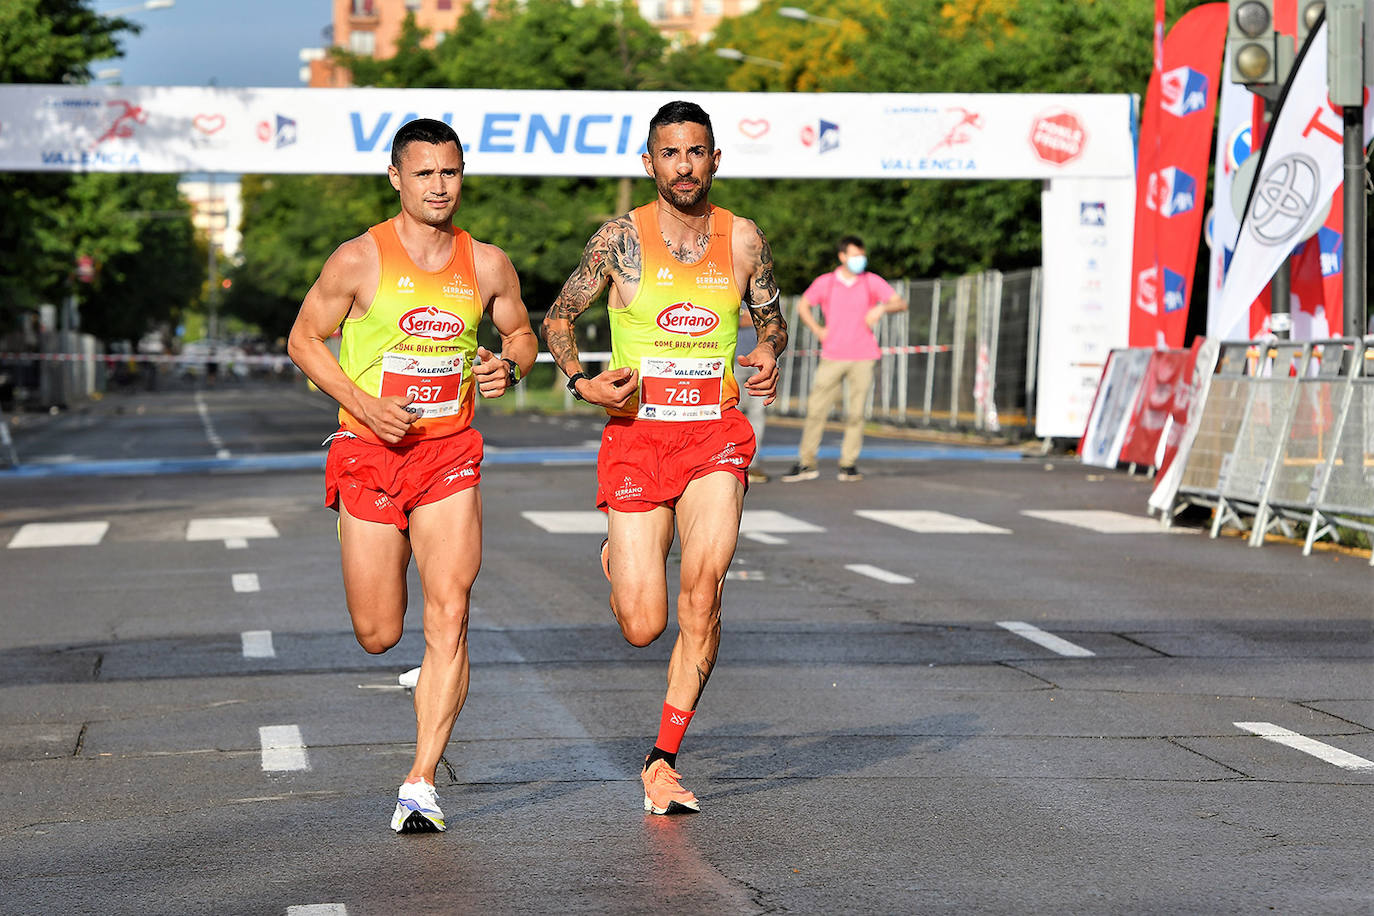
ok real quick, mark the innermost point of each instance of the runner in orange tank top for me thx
(676, 449)
(404, 467)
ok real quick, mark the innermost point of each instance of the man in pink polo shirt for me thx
(852, 302)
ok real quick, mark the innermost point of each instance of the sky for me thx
(233, 42)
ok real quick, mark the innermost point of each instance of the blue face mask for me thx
(856, 264)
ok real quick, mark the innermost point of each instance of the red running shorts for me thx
(384, 483)
(644, 464)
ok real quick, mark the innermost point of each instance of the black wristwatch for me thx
(572, 384)
(513, 368)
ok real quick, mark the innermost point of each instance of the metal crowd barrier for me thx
(1286, 436)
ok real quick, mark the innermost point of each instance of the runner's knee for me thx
(376, 639)
(641, 622)
(446, 627)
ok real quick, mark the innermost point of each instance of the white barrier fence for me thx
(1285, 436)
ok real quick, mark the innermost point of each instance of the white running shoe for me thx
(410, 678)
(417, 809)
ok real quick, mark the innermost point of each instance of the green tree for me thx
(158, 273)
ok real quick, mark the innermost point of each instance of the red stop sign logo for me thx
(1058, 136)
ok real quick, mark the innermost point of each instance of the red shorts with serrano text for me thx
(385, 483)
(644, 464)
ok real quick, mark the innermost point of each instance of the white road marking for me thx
(1048, 640)
(881, 575)
(927, 522)
(745, 575)
(246, 582)
(317, 909)
(210, 435)
(224, 529)
(763, 537)
(1333, 755)
(282, 748)
(235, 543)
(59, 534)
(258, 644)
(1100, 520)
(588, 522)
(770, 521)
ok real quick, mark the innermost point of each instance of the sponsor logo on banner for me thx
(1330, 242)
(433, 323)
(1058, 136)
(1092, 213)
(209, 123)
(1171, 191)
(284, 134)
(825, 138)
(1147, 291)
(688, 319)
(1237, 148)
(95, 122)
(1183, 91)
(966, 124)
(1284, 199)
(753, 128)
(458, 288)
(1174, 299)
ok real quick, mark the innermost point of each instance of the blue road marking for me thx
(314, 461)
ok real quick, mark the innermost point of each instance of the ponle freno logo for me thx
(686, 318)
(1058, 136)
(431, 322)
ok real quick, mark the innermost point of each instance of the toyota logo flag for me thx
(1300, 167)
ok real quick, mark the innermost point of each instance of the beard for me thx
(683, 200)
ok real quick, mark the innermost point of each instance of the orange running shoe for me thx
(663, 794)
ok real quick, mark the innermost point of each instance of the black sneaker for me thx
(849, 472)
(800, 472)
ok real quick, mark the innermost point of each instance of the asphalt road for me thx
(1043, 719)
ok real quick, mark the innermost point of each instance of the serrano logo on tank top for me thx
(458, 288)
(431, 322)
(685, 318)
(712, 278)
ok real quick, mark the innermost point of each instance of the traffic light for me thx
(1252, 43)
(1309, 12)
(1344, 73)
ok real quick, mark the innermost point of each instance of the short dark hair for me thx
(422, 130)
(848, 240)
(680, 112)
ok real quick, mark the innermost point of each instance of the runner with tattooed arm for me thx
(676, 449)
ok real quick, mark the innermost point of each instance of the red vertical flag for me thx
(1175, 140)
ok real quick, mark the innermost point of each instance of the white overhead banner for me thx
(510, 132)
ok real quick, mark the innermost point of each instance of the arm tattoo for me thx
(613, 248)
(763, 290)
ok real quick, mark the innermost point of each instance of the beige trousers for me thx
(825, 390)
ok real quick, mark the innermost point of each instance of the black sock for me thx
(659, 753)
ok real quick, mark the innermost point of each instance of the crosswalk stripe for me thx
(754, 521)
(258, 644)
(882, 575)
(317, 909)
(282, 748)
(923, 521)
(1102, 521)
(59, 534)
(223, 529)
(1322, 751)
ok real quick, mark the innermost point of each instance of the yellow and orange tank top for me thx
(418, 338)
(679, 329)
